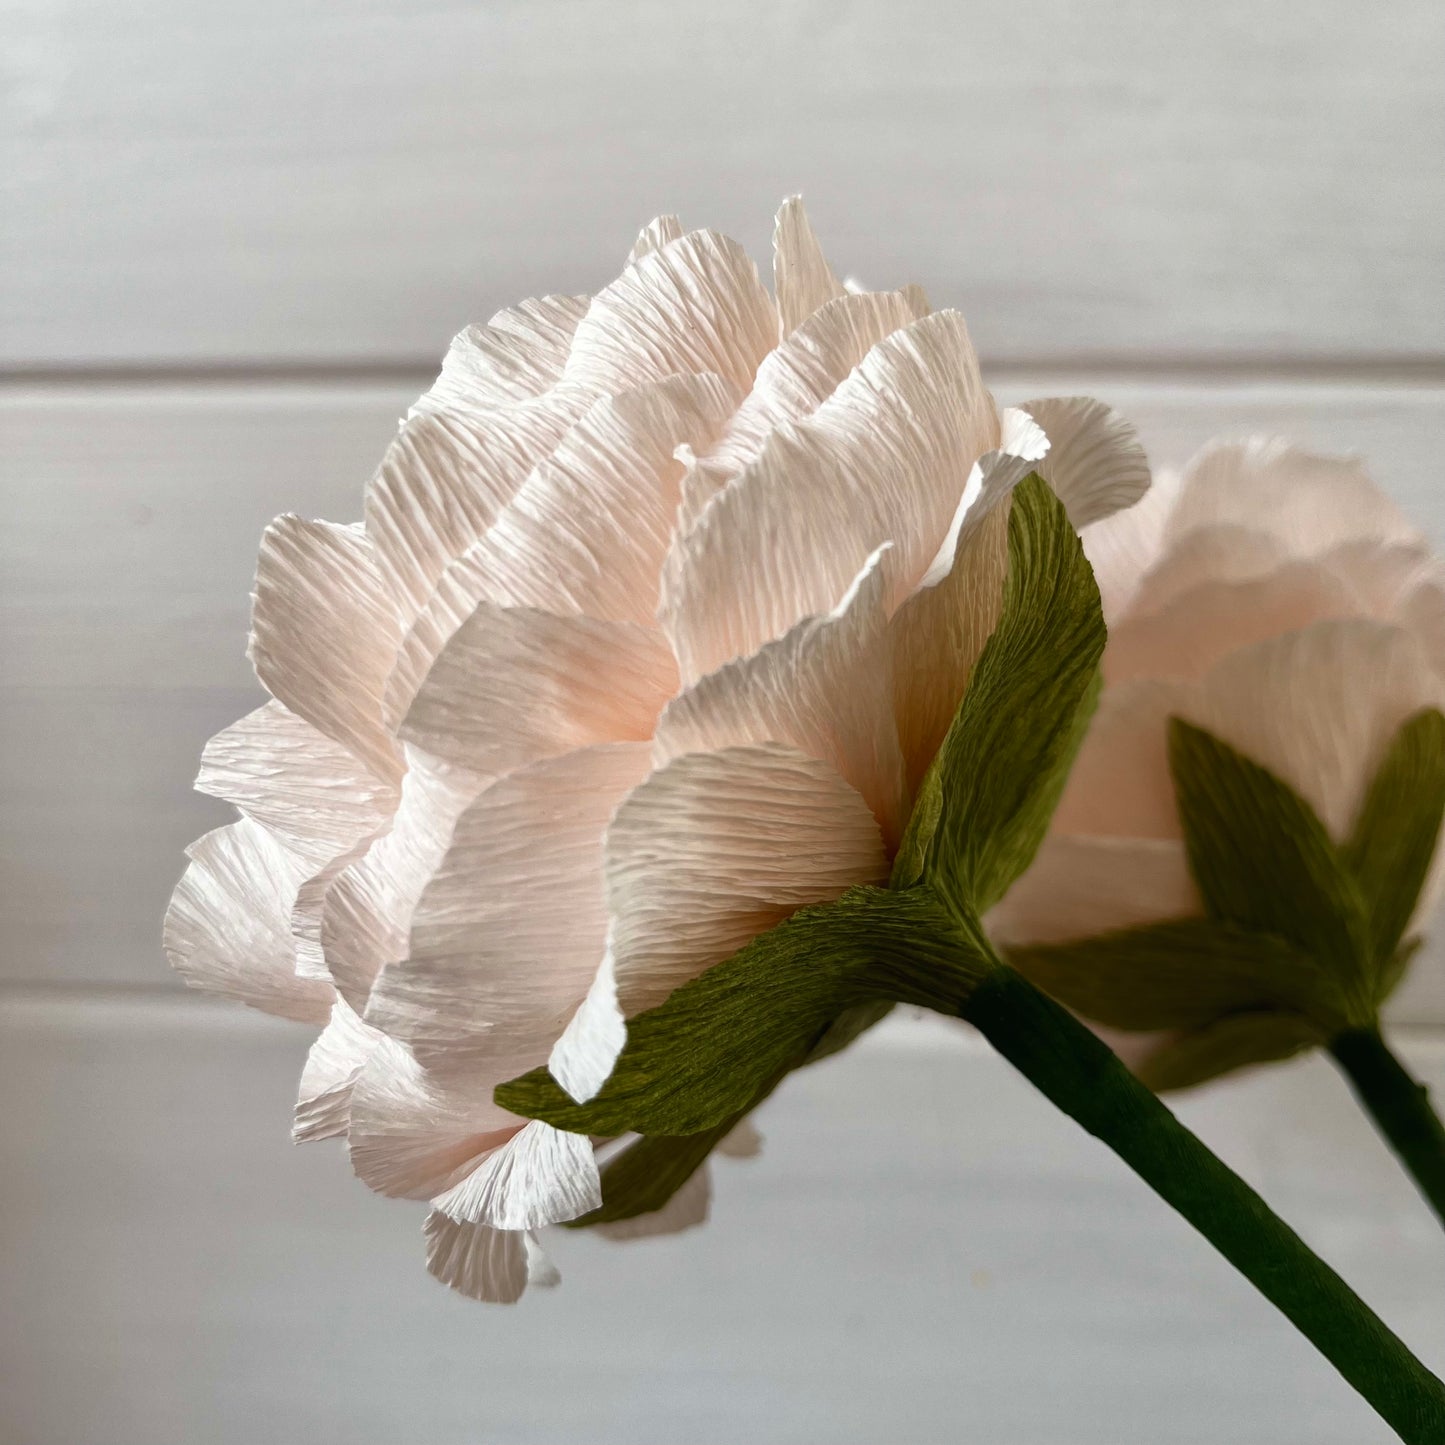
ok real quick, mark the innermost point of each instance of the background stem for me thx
(1400, 1107)
(1084, 1078)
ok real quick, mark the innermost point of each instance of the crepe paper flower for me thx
(705, 663)
(1245, 854)
(670, 572)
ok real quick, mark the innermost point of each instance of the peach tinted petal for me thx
(476, 1260)
(662, 231)
(1095, 462)
(802, 277)
(540, 1176)
(341, 1049)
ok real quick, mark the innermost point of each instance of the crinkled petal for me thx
(1080, 887)
(510, 930)
(695, 304)
(709, 852)
(824, 688)
(324, 633)
(514, 684)
(1095, 464)
(1307, 501)
(662, 231)
(476, 1260)
(541, 1175)
(801, 276)
(1319, 707)
(884, 459)
(323, 1104)
(228, 928)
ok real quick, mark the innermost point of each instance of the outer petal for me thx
(1187, 636)
(1208, 554)
(709, 852)
(443, 481)
(1319, 707)
(654, 236)
(514, 684)
(694, 305)
(517, 355)
(476, 1260)
(884, 459)
(366, 913)
(314, 794)
(1095, 462)
(415, 1131)
(324, 633)
(323, 1105)
(801, 276)
(539, 1176)
(1079, 887)
(825, 688)
(1123, 547)
(1309, 502)
(509, 932)
(228, 928)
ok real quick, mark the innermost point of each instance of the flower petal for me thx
(695, 304)
(1307, 501)
(228, 927)
(1079, 887)
(1319, 707)
(825, 688)
(509, 932)
(662, 231)
(1208, 554)
(884, 459)
(514, 684)
(801, 276)
(324, 633)
(539, 1176)
(323, 1104)
(314, 794)
(1121, 548)
(476, 1260)
(366, 912)
(710, 851)
(1095, 464)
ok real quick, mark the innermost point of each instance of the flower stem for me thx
(1399, 1106)
(1086, 1080)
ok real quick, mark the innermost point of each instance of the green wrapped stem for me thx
(1085, 1079)
(1400, 1107)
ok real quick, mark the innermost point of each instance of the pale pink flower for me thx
(650, 630)
(1279, 600)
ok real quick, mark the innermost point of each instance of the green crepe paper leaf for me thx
(985, 803)
(1395, 836)
(649, 1171)
(1233, 1042)
(1264, 863)
(1178, 975)
(716, 1044)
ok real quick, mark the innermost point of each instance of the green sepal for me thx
(1235, 1041)
(1180, 975)
(985, 803)
(1394, 838)
(716, 1044)
(644, 1175)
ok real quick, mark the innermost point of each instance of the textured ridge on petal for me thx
(324, 633)
(323, 1103)
(510, 929)
(1095, 463)
(228, 927)
(801, 276)
(662, 231)
(710, 851)
(539, 1176)
(695, 304)
(475, 1260)
(885, 458)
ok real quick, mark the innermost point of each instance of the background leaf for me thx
(1230, 1043)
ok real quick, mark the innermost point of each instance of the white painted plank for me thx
(260, 179)
(924, 1251)
(127, 542)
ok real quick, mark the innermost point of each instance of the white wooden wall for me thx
(234, 238)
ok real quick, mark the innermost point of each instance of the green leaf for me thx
(1393, 843)
(716, 1044)
(1265, 864)
(1233, 1042)
(649, 1171)
(1179, 975)
(985, 804)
